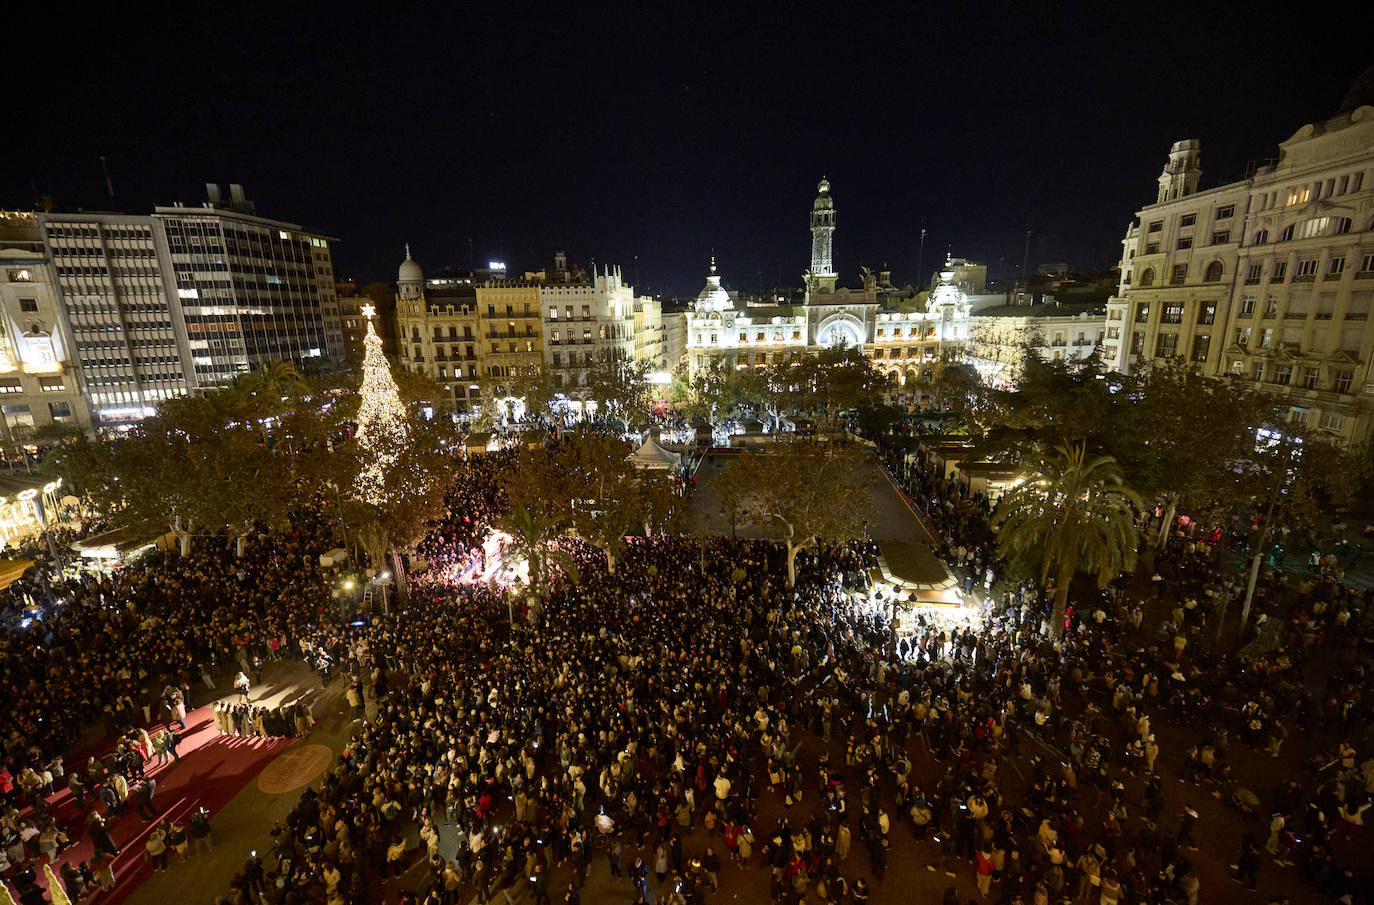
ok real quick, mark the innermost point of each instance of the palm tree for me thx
(261, 392)
(1076, 515)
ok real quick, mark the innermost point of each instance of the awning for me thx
(11, 570)
(123, 541)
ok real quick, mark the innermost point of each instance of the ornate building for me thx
(891, 326)
(1269, 279)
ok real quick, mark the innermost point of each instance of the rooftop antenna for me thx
(1025, 262)
(109, 185)
(921, 255)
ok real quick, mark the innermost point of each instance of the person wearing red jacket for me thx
(985, 867)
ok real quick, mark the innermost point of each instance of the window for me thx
(554, 336)
(1225, 211)
(1337, 267)
(1267, 338)
(1333, 421)
(1142, 314)
(1287, 233)
(1280, 272)
(1179, 275)
(1137, 343)
(1151, 248)
(1156, 226)
(1297, 416)
(1307, 268)
(1207, 313)
(553, 312)
(586, 310)
(1271, 307)
(20, 275)
(1367, 264)
(1166, 344)
(1187, 220)
(1147, 278)
(1252, 276)
(1213, 272)
(1257, 371)
(1200, 347)
(1340, 380)
(1221, 237)
(28, 304)
(1184, 242)
(1340, 226)
(1173, 313)
(1309, 378)
(1283, 375)
(1242, 336)
(1262, 237)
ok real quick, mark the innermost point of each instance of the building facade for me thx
(999, 337)
(120, 311)
(902, 335)
(251, 290)
(39, 381)
(1269, 279)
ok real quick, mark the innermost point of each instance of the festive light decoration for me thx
(382, 427)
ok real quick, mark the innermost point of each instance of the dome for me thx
(713, 296)
(823, 200)
(409, 271)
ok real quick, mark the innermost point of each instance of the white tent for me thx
(653, 456)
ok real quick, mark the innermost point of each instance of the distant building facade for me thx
(1269, 279)
(901, 335)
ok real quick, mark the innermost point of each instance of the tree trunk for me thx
(792, 551)
(1061, 601)
(398, 570)
(610, 562)
(1169, 513)
(240, 545)
(183, 536)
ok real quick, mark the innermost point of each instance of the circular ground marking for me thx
(294, 768)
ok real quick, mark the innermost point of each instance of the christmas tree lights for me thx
(383, 431)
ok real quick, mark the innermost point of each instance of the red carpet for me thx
(212, 771)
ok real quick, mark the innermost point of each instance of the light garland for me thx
(382, 427)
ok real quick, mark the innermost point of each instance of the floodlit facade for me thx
(438, 333)
(1269, 279)
(897, 332)
(39, 381)
(999, 336)
(584, 321)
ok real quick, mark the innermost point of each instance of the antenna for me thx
(109, 185)
(921, 255)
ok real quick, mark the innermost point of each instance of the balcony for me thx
(1333, 276)
(1295, 316)
(1305, 278)
(1357, 316)
(1252, 281)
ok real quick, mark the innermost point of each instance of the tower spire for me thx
(822, 234)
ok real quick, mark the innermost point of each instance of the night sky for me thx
(666, 133)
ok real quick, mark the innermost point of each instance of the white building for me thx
(586, 321)
(900, 334)
(1270, 278)
(999, 336)
(38, 377)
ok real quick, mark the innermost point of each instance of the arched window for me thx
(1213, 273)
(1262, 237)
(1341, 226)
(1287, 233)
(1147, 277)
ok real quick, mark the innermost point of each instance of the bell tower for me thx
(822, 273)
(1182, 172)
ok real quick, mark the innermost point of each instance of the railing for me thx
(1305, 278)
(1295, 316)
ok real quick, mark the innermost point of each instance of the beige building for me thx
(438, 333)
(650, 335)
(39, 383)
(1270, 279)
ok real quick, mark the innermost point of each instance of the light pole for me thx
(1280, 473)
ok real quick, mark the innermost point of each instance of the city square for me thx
(631, 529)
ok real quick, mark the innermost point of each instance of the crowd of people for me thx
(690, 711)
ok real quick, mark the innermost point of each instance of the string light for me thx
(383, 430)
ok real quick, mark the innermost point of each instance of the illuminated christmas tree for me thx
(382, 429)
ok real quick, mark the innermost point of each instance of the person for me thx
(640, 875)
(156, 848)
(200, 830)
(143, 799)
(241, 685)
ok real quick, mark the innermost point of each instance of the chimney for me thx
(212, 192)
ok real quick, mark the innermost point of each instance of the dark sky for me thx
(668, 132)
